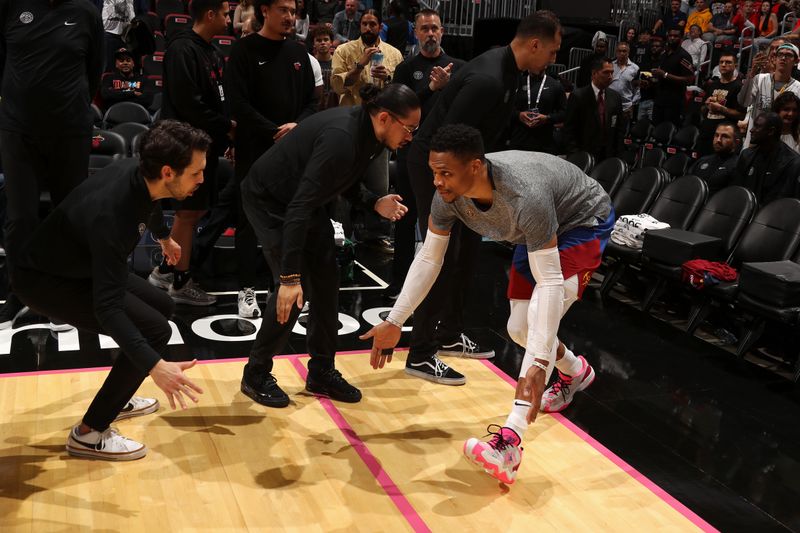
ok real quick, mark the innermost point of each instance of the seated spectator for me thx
(322, 37)
(626, 79)
(600, 47)
(717, 168)
(780, 8)
(671, 76)
(346, 23)
(770, 168)
(701, 17)
(746, 14)
(243, 11)
(124, 84)
(302, 22)
(672, 19)
(787, 106)
(722, 104)
(766, 25)
(640, 50)
(647, 90)
(594, 120)
(759, 90)
(722, 27)
(695, 46)
(540, 104)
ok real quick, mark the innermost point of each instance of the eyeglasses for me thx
(409, 129)
(785, 55)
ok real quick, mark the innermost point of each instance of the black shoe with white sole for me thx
(462, 346)
(433, 369)
(330, 383)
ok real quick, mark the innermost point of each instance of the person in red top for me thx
(746, 13)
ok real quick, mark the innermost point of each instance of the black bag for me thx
(139, 39)
(776, 282)
(676, 246)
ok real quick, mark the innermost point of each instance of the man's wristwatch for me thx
(359, 66)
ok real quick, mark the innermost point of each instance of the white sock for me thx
(516, 419)
(569, 364)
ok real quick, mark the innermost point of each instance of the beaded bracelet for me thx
(393, 322)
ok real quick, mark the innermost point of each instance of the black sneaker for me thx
(11, 311)
(433, 369)
(330, 383)
(462, 346)
(264, 389)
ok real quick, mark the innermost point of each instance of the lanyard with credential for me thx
(539, 95)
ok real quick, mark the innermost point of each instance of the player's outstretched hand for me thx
(389, 207)
(170, 378)
(532, 390)
(385, 337)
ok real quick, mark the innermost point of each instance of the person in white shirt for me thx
(695, 46)
(117, 16)
(626, 79)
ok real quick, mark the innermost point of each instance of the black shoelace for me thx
(501, 443)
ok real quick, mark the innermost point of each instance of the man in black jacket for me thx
(540, 104)
(193, 93)
(594, 120)
(717, 169)
(270, 87)
(124, 84)
(77, 271)
(770, 168)
(427, 73)
(286, 196)
(51, 60)
(481, 94)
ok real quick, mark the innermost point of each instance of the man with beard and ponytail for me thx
(671, 76)
(481, 94)
(286, 196)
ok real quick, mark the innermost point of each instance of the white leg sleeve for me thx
(423, 272)
(518, 323)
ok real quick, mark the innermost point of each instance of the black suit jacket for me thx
(582, 130)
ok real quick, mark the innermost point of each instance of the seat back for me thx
(653, 157)
(129, 131)
(175, 22)
(773, 235)
(160, 40)
(224, 43)
(100, 161)
(641, 131)
(680, 202)
(108, 143)
(684, 139)
(126, 112)
(582, 160)
(677, 164)
(97, 116)
(662, 134)
(153, 65)
(637, 193)
(610, 173)
(167, 7)
(726, 215)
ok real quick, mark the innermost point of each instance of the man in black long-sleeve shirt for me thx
(541, 103)
(77, 271)
(286, 196)
(51, 60)
(270, 87)
(193, 93)
(427, 73)
(481, 94)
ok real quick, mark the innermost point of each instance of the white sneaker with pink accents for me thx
(560, 394)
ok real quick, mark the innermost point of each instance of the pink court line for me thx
(611, 456)
(381, 476)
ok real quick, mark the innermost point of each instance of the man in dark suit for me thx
(594, 120)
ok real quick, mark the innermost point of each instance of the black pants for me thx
(444, 304)
(404, 229)
(229, 211)
(33, 164)
(70, 300)
(320, 281)
(667, 113)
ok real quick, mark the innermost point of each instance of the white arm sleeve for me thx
(421, 275)
(543, 319)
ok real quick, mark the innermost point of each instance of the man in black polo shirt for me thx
(427, 73)
(481, 94)
(51, 60)
(671, 76)
(286, 195)
(77, 271)
(717, 169)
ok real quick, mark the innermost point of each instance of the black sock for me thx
(165, 268)
(181, 277)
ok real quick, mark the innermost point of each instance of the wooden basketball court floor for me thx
(390, 463)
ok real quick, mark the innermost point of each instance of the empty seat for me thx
(677, 164)
(662, 135)
(160, 40)
(684, 140)
(167, 7)
(224, 43)
(610, 174)
(634, 140)
(126, 112)
(108, 143)
(176, 22)
(653, 157)
(153, 65)
(582, 160)
(129, 131)
(637, 193)
(97, 116)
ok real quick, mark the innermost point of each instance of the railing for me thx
(459, 16)
(709, 52)
(789, 18)
(576, 55)
(748, 27)
(571, 75)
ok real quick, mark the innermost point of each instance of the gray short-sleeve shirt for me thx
(536, 196)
